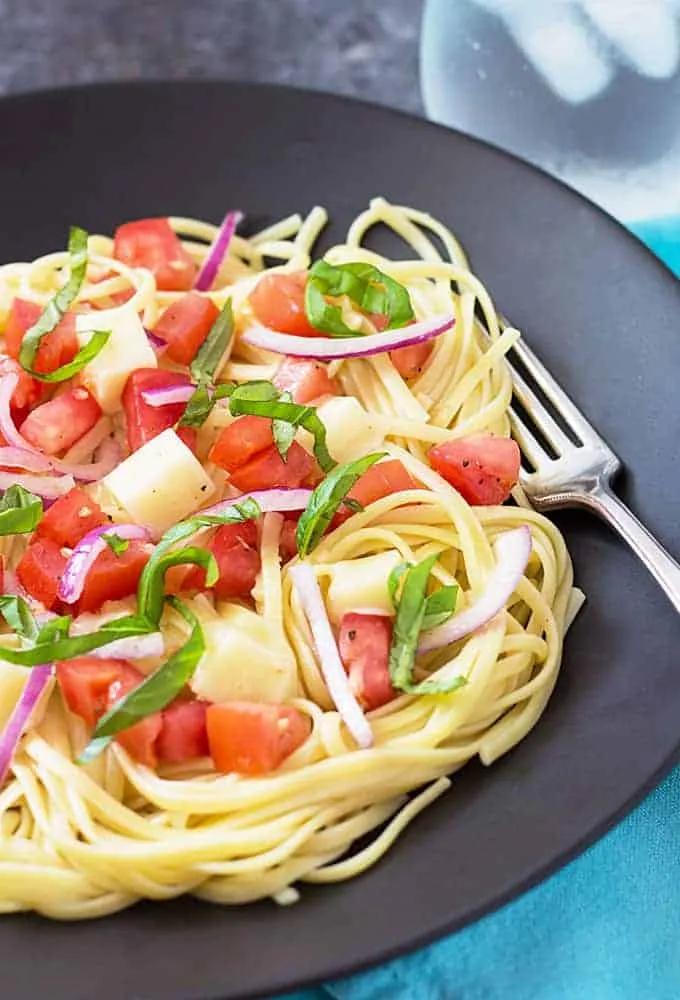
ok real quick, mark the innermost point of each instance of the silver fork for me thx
(581, 474)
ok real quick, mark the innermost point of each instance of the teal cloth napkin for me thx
(605, 927)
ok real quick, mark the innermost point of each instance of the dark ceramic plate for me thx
(599, 309)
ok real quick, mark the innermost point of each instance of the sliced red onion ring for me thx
(134, 647)
(47, 487)
(20, 718)
(217, 252)
(337, 681)
(85, 553)
(8, 384)
(328, 348)
(158, 344)
(19, 458)
(267, 500)
(512, 550)
(168, 394)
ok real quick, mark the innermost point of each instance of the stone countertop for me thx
(363, 48)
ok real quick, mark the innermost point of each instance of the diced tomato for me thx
(287, 541)
(28, 393)
(409, 361)
(139, 740)
(235, 549)
(483, 468)
(54, 426)
(70, 517)
(304, 380)
(153, 244)
(185, 324)
(57, 347)
(240, 441)
(189, 435)
(143, 421)
(267, 469)
(278, 301)
(184, 735)
(250, 738)
(364, 644)
(112, 577)
(85, 683)
(40, 568)
(379, 481)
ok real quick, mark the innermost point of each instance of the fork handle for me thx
(660, 563)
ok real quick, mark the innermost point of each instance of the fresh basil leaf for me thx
(367, 287)
(19, 617)
(59, 304)
(201, 403)
(117, 544)
(393, 581)
(20, 511)
(86, 353)
(66, 647)
(355, 506)
(439, 607)
(150, 590)
(326, 499)
(55, 628)
(154, 693)
(248, 510)
(263, 402)
(212, 350)
(283, 432)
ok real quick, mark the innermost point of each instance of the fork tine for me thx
(555, 393)
(527, 441)
(539, 414)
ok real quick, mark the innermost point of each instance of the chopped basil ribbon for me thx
(326, 499)
(439, 606)
(262, 399)
(367, 287)
(155, 692)
(20, 511)
(203, 369)
(117, 544)
(18, 616)
(54, 312)
(64, 647)
(409, 624)
(150, 594)
(55, 628)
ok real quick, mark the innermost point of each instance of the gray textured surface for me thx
(364, 48)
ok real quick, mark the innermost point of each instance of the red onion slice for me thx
(512, 550)
(217, 252)
(267, 500)
(169, 394)
(20, 718)
(47, 487)
(337, 681)
(329, 348)
(157, 343)
(19, 458)
(85, 553)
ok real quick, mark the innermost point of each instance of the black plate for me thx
(602, 313)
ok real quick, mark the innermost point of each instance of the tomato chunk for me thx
(57, 347)
(250, 738)
(139, 740)
(153, 244)
(287, 541)
(364, 643)
(85, 683)
(112, 577)
(184, 735)
(185, 324)
(483, 468)
(70, 517)
(304, 380)
(409, 361)
(278, 301)
(40, 568)
(240, 441)
(144, 422)
(235, 549)
(379, 481)
(54, 426)
(267, 469)
(28, 393)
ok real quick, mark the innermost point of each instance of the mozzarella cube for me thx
(350, 431)
(127, 349)
(361, 584)
(244, 660)
(12, 682)
(160, 483)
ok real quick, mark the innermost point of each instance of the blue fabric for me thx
(606, 927)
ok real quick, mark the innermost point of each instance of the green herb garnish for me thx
(64, 647)
(18, 616)
(20, 511)
(203, 369)
(117, 544)
(367, 287)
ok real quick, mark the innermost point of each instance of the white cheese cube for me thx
(361, 584)
(245, 660)
(12, 682)
(350, 431)
(161, 483)
(126, 350)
